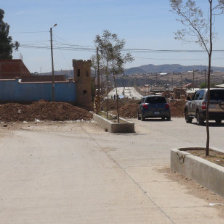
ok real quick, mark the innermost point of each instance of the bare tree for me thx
(200, 30)
(110, 49)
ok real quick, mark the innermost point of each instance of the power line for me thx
(137, 50)
(31, 32)
(68, 43)
(168, 50)
(57, 47)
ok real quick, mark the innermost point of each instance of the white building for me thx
(125, 92)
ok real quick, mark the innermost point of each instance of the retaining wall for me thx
(206, 173)
(123, 127)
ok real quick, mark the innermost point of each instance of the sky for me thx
(144, 24)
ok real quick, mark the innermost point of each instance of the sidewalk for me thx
(144, 159)
(77, 173)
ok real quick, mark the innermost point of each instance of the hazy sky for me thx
(142, 23)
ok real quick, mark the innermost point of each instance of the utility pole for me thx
(52, 65)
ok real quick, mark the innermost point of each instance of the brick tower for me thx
(82, 78)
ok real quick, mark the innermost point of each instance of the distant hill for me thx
(167, 68)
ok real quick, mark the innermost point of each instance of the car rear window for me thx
(217, 94)
(155, 100)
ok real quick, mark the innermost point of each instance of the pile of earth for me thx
(111, 104)
(42, 110)
(128, 108)
(177, 108)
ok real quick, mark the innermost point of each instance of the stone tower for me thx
(82, 78)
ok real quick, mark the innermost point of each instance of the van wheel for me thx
(142, 118)
(200, 121)
(218, 121)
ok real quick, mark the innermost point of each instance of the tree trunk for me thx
(208, 84)
(117, 105)
(207, 108)
(107, 89)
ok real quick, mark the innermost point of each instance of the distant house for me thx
(12, 69)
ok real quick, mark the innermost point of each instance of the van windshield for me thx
(154, 100)
(217, 95)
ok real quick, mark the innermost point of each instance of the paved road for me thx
(75, 173)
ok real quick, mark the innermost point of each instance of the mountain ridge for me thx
(150, 68)
(168, 68)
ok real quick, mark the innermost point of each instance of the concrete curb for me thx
(206, 173)
(107, 125)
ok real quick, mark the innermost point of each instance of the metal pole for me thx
(52, 68)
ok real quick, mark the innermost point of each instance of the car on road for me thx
(153, 106)
(196, 107)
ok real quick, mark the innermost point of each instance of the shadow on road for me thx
(155, 120)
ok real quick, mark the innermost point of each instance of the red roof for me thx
(14, 68)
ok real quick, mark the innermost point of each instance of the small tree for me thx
(201, 30)
(6, 44)
(98, 68)
(110, 50)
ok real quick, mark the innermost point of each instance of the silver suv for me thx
(196, 108)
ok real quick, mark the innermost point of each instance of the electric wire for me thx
(135, 50)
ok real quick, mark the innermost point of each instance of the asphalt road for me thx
(65, 173)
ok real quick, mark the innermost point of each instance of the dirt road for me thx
(75, 173)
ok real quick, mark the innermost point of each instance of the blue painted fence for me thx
(16, 91)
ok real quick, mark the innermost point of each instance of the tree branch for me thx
(195, 28)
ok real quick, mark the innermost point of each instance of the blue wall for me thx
(14, 91)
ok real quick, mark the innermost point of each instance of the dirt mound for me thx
(129, 108)
(111, 104)
(177, 108)
(42, 110)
